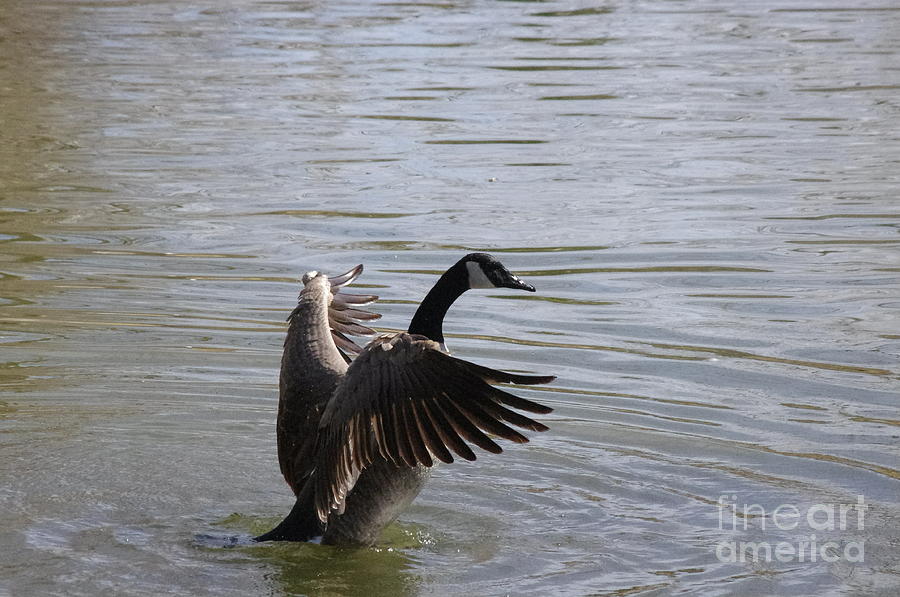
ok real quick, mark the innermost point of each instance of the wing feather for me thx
(510, 416)
(405, 401)
(446, 431)
(447, 434)
(465, 428)
(429, 433)
(411, 428)
(345, 343)
(482, 420)
(496, 376)
(344, 319)
(492, 404)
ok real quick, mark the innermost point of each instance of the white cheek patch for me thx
(477, 279)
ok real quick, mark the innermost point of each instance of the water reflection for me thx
(321, 570)
(314, 569)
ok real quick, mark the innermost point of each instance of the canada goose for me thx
(355, 442)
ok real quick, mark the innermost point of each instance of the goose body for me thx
(357, 438)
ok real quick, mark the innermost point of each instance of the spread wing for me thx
(345, 313)
(308, 378)
(404, 400)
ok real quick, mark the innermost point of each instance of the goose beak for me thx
(511, 281)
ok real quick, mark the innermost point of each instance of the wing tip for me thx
(540, 379)
(542, 410)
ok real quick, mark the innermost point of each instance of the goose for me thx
(358, 436)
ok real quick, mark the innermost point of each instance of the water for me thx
(704, 193)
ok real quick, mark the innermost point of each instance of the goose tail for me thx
(301, 524)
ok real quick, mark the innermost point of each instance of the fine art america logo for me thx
(803, 524)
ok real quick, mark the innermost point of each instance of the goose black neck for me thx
(429, 318)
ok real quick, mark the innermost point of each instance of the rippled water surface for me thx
(704, 193)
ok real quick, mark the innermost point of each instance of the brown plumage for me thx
(355, 442)
(405, 401)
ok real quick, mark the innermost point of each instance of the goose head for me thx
(475, 270)
(484, 271)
